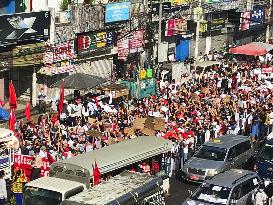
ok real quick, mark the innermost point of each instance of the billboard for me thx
(257, 15)
(117, 12)
(24, 26)
(94, 41)
(216, 24)
(245, 21)
(176, 26)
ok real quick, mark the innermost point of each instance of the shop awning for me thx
(80, 81)
(252, 49)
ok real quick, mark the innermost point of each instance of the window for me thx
(239, 149)
(232, 153)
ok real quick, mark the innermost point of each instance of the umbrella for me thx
(252, 49)
(4, 114)
(80, 81)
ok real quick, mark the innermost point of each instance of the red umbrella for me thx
(249, 49)
(61, 102)
(12, 96)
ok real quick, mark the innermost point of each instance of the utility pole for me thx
(199, 14)
(159, 24)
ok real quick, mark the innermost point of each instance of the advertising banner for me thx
(117, 12)
(136, 42)
(175, 27)
(216, 24)
(24, 26)
(245, 21)
(24, 162)
(92, 41)
(257, 16)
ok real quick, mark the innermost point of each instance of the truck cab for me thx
(50, 190)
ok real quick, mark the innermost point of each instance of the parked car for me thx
(264, 161)
(226, 152)
(232, 187)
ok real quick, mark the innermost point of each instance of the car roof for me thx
(231, 177)
(227, 141)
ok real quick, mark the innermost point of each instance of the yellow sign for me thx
(143, 74)
(203, 27)
(180, 2)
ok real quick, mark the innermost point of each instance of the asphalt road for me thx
(179, 191)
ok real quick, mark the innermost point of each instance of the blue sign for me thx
(117, 12)
(257, 15)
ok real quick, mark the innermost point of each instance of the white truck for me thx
(172, 71)
(74, 175)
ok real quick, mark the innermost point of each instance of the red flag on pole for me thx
(61, 102)
(27, 111)
(12, 120)
(12, 96)
(96, 174)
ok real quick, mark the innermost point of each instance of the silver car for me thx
(233, 187)
(226, 152)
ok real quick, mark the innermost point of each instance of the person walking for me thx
(3, 188)
(17, 186)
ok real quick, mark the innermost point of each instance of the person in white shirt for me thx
(3, 188)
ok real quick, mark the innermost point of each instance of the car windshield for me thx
(211, 153)
(37, 196)
(267, 153)
(212, 194)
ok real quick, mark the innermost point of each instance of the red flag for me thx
(61, 102)
(96, 174)
(27, 111)
(12, 96)
(12, 120)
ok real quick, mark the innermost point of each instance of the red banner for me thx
(24, 162)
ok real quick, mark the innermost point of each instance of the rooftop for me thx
(227, 178)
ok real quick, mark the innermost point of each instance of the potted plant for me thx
(65, 14)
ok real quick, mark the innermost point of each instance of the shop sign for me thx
(180, 2)
(245, 21)
(176, 26)
(166, 8)
(136, 41)
(257, 16)
(117, 12)
(92, 41)
(203, 27)
(216, 24)
(59, 52)
(29, 54)
(24, 26)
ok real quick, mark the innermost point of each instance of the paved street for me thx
(179, 192)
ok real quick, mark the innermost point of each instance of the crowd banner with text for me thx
(115, 12)
(24, 162)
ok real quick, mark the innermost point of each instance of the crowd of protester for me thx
(232, 97)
